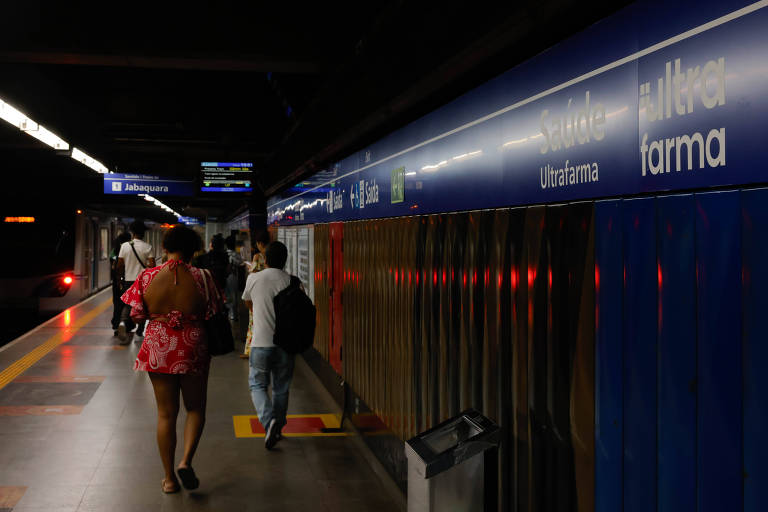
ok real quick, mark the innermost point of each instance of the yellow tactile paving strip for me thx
(39, 410)
(247, 426)
(59, 378)
(61, 336)
(10, 496)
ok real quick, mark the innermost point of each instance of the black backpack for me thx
(294, 319)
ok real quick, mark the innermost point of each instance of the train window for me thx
(104, 252)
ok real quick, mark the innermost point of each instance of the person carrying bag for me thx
(218, 328)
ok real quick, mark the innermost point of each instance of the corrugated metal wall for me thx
(322, 290)
(618, 343)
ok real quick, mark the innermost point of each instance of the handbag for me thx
(217, 328)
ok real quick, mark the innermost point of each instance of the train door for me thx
(89, 277)
(337, 285)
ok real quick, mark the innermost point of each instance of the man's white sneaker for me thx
(271, 438)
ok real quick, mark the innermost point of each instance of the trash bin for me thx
(453, 466)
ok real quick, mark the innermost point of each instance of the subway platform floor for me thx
(77, 433)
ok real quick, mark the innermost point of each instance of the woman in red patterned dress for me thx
(174, 351)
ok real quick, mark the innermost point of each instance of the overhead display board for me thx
(134, 184)
(624, 108)
(226, 177)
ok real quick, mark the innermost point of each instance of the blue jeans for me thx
(274, 362)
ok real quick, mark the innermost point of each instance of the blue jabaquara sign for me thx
(133, 184)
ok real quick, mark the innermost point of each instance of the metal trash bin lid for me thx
(453, 441)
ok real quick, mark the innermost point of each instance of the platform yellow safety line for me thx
(23, 364)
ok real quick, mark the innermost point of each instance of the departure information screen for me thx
(226, 177)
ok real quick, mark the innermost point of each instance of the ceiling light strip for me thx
(160, 204)
(88, 161)
(21, 121)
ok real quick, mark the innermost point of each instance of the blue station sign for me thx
(621, 109)
(134, 184)
(190, 221)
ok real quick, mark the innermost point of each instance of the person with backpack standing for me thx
(134, 256)
(268, 361)
(117, 280)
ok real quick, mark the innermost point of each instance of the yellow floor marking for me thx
(242, 426)
(10, 496)
(62, 335)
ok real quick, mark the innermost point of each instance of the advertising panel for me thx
(623, 108)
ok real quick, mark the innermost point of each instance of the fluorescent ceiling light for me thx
(16, 118)
(88, 161)
(160, 204)
(44, 135)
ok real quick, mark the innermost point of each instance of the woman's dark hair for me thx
(182, 239)
(276, 255)
(263, 237)
(230, 241)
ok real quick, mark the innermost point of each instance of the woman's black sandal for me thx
(188, 478)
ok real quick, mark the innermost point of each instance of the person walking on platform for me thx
(134, 256)
(117, 282)
(236, 263)
(258, 264)
(216, 260)
(268, 361)
(175, 351)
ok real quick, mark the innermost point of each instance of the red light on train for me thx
(68, 280)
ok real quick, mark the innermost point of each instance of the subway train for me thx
(51, 262)
(570, 250)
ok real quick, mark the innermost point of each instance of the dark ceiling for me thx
(290, 87)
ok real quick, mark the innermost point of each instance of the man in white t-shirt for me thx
(134, 256)
(266, 359)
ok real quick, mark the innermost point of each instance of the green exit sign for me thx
(398, 185)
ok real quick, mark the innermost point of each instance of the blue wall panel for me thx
(608, 357)
(676, 281)
(755, 293)
(718, 252)
(639, 237)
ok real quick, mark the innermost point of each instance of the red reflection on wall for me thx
(67, 318)
(597, 278)
(658, 274)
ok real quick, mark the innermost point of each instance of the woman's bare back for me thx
(163, 296)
